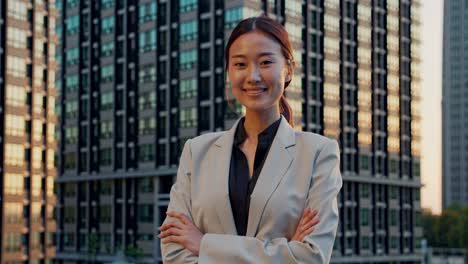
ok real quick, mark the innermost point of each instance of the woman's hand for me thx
(306, 225)
(182, 232)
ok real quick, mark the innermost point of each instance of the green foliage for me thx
(133, 252)
(449, 229)
(93, 243)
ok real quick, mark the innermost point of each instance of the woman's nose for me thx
(254, 74)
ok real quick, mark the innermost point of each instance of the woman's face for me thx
(257, 71)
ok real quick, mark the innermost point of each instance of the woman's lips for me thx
(254, 91)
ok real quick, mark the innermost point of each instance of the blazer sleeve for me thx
(315, 248)
(180, 201)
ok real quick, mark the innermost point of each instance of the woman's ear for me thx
(291, 65)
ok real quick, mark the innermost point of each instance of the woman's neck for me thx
(256, 122)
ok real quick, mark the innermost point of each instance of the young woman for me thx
(254, 193)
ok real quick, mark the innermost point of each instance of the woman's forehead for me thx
(254, 43)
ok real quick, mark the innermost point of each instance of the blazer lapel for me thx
(278, 161)
(221, 178)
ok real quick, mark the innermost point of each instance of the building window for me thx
(187, 5)
(188, 88)
(69, 239)
(16, 37)
(393, 166)
(416, 169)
(232, 17)
(365, 242)
(72, 24)
(107, 127)
(147, 12)
(105, 213)
(145, 185)
(147, 101)
(107, 49)
(393, 192)
(365, 163)
(70, 161)
(188, 30)
(106, 187)
(147, 73)
(393, 242)
(107, 3)
(71, 109)
(106, 157)
(147, 126)
(418, 219)
(107, 25)
(71, 83)
(71, 135)
(145, 237)
(107, 100)
(69, 214)
(364, 217)
(70, 189)
(417, 195)
(393, 217)
(15, 95)
(147, 41)
(107, 73)
(15, 125)
(71, 3)
(188, 117)
(188, 59)
(16, 66)
(17, 9)
(146, 152)
(145, 213)
(72, 56)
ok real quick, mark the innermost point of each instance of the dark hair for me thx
(276, 31)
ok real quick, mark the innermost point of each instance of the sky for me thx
(431, 104)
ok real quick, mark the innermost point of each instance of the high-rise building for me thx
(27, 121)
(138, 78)
(455, 104)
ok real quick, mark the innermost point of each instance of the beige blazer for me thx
(301, 170)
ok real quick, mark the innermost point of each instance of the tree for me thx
(133, 252)
(93, 246)
(449, 229)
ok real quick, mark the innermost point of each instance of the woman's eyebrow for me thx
(259, 55)
(266, 54)
(238, 56)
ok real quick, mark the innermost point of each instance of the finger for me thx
(313, 213)
(170, 232)
(307, 232)
(303, 217)
(310, 216)
(172, 239)
(310, 223)
(183, 218)
(171, 224)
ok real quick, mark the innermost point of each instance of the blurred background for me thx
(97, 98)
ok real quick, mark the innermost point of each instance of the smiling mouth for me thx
(255, 91)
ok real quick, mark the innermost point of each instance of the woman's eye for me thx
(239, 64)
(267, 62)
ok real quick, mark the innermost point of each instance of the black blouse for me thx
(241, 185)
